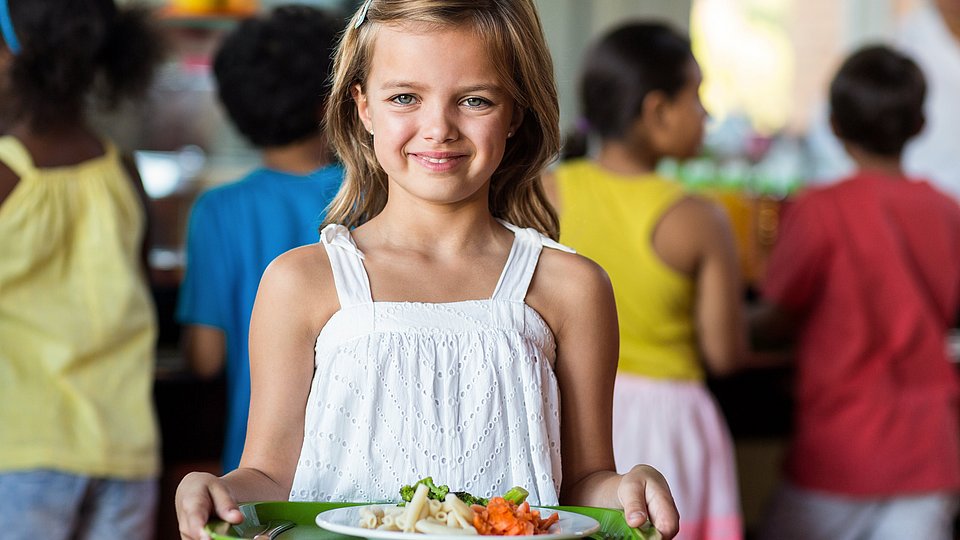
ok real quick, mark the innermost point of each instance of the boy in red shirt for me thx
(865, 283)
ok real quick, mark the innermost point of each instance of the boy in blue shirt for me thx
(271, 73)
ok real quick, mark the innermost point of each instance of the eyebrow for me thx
(399, 84)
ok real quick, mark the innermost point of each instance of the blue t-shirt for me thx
(234, 232)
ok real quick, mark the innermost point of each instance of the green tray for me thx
(613, 526)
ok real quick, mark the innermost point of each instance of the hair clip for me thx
(360, 18)
(6, 28)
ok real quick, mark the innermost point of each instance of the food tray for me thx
(613, 526)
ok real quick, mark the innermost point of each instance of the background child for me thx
(446, 336)
(78, 443)
(865, 280)
(272, 73)
(671, 259)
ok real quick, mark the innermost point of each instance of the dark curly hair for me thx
(272, 73)
(876, 100)
(72, 50)
(619, 71)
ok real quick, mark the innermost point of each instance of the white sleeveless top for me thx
(463, 391)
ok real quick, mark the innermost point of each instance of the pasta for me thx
(452, 516)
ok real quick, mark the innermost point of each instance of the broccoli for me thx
(470, 499)
(516, 494)
(436, 492)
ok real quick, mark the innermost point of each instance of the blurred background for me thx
(766, 65)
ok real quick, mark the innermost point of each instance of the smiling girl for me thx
(436, 325)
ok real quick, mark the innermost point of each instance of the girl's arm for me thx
(695, 238)
(295, 299)
(576, 299)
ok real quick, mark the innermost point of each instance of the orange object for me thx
(503, 518)
(206, 7)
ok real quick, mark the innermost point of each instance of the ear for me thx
(834, 128)
(921, 123)
(655, 110)
(363, 109)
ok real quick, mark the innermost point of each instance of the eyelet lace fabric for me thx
(464, 392)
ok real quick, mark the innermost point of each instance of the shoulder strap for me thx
(522, 262)
(14, 155)
(346, 261)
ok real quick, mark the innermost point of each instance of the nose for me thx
(439, 124)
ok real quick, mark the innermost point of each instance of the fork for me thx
(274, 528)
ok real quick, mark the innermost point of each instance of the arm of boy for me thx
(295, 299)
(576, 299)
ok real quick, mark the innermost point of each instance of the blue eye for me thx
(476, 102)
(403, 99)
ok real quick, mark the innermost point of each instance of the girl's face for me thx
(687, 116)
(439, 114)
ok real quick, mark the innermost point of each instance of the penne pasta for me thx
(422, 514)
(432, 527)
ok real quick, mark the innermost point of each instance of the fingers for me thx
(645, 495)
(199, 496)
(226, 505)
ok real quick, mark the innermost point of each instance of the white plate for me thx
(345, 520)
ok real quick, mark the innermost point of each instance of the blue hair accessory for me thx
(362, 16)
(6, 28)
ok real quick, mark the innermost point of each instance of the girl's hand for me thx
(644, 494)
(198, 496)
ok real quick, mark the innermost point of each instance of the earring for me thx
(371, 132)
(509, 134)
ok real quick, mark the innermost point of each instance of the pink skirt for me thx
(677, 427)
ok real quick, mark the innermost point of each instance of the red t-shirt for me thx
(872, 265)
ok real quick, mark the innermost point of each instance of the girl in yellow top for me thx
(78, 436)
(671, 258)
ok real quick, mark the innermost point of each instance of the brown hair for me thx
(514, 37)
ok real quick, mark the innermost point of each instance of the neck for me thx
(618, 157)
(301, 157)
(411, 223)
(867, 161)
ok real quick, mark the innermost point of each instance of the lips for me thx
(438, 161)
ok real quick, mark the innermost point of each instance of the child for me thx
(426, 334)
(272, 74)
(865, 280)
(78, 444)
(671, 259)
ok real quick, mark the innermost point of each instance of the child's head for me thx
(876, 100)
(636, 73)
(513, 38)
(272, 73)
(61, 50)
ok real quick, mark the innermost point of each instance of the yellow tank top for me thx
(611, 219)
(77, 323)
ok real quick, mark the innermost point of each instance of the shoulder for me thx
(302, 279)
(565, 285)
(695, 216)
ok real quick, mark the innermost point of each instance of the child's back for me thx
(271, 73)
(865, 278)
(671, 260)
(76, 317)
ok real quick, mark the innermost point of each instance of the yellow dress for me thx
(611, 219)
(77, 323)
(663, 414)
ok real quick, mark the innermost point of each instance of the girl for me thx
(79, 456)
(671, 258)
(429, 332)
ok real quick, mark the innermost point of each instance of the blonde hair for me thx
(514, 37)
